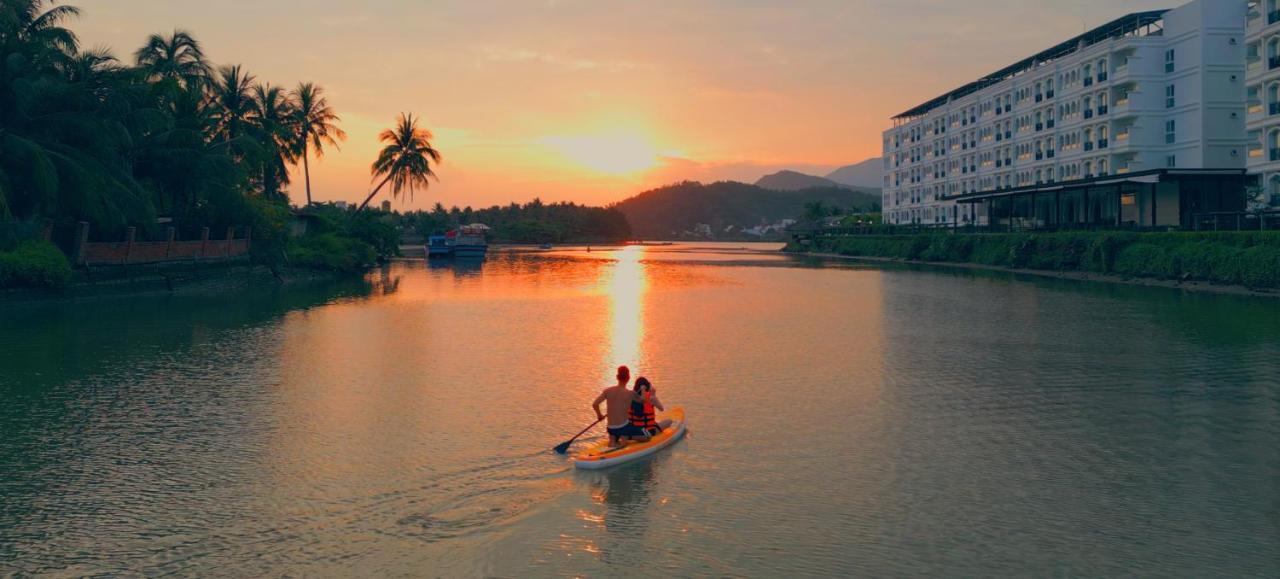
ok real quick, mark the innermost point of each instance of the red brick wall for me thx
(114, 253)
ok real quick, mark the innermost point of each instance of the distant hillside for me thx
(794, 181)
(666, 212)
(865, 174)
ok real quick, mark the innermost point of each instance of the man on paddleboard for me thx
(619, 399)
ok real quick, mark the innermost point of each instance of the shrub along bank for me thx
(344, 240)
(1251, 259)
(33, 264)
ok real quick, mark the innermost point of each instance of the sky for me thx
(595, 101)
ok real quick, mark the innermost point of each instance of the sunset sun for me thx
(611, 153)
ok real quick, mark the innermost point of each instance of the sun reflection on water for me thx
(625, 283)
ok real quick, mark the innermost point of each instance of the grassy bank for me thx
(1250, 259)
(33, 264)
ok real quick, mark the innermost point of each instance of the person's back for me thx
(618, 404)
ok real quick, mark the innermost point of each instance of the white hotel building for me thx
(1263, 108)
(1139, 122)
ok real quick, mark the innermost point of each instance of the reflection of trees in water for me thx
(61, 359)
(46, 344)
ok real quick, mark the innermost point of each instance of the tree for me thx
(815, 210)
(317, 126)
(177, 61)
(230, 92)
(406, 160)
(275, 128)
(64, 137)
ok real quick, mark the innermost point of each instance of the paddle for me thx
(564, 446)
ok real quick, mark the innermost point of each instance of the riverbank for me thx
(1227, 262)
(186, 279)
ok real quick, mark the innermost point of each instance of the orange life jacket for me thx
(642, 413)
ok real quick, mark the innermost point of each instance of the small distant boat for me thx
(468, 241)
(545, 246)
(438, 246)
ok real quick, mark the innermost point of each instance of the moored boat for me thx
(438, 246)
(468, 241)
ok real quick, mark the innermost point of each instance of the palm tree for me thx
(317, 125)
(230, 93)
(27, 22)
(406, 160)
(177, 59)
(274, 123)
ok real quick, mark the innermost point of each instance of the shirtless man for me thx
(619, 402)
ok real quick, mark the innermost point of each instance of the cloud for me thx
(492, 54)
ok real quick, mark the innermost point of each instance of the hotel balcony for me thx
(1121, 73)
(1122, 140)
(1128, 167)
(1123, 108)
(1254, 111)
(1256, 155)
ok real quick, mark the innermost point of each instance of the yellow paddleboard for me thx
(600, 455)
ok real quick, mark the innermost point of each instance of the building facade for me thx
(1262, 51)
(1146, 110)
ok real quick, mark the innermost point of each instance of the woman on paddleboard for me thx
(643, 413)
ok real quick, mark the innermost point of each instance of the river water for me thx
(844, 420)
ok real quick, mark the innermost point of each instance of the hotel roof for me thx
(1119, 27)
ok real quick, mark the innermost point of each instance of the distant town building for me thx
(386, 205)
(1140, 121)
(340, 204)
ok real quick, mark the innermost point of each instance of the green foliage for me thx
(329, 251)
(34, 264)
(1247, 258)
(533, 222)
(376, 229)
(85, 137)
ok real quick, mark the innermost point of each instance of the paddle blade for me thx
(563, 447)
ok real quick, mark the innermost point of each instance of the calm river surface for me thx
(844, 420)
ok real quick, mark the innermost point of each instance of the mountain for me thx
(794, 181)
(865, 174)
(666, 212)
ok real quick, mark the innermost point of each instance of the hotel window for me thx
(1168, 60)
(1171, 161)
(1168, 97)
(1170, 132)
(1102, 70)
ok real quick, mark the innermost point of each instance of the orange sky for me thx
(593, 101)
